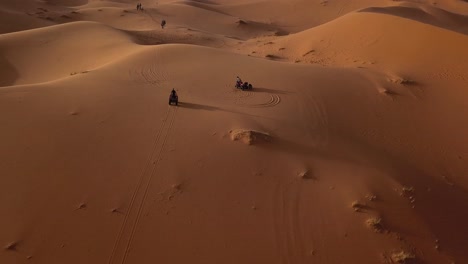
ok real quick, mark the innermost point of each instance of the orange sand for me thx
(351, 147)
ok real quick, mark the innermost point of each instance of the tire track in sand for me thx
(317, 122)
(140, 180)
(252, 99)
(272, 100)
(165, 132)
(286, 217)
(154, 73)
(127, 230)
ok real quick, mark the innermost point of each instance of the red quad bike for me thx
(243, 86)
(173, 99)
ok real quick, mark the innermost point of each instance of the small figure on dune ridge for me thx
(163, 23)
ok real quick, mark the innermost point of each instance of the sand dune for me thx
(23, 21)
(426, 14)
(350, 148)
(61, 51)
(367, 40)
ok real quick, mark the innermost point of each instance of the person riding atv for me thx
(173, 97)
(238, 81)
(243, 85)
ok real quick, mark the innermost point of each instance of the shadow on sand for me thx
(194, 106)
(199, 106)
(266, 90)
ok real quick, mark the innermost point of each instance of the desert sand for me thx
(351, 147)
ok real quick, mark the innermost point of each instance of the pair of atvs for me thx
(174, 99)
(243, 86)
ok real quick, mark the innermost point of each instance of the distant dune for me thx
(350, 147)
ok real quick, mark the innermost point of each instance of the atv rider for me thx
(238, 81)
(173, 93)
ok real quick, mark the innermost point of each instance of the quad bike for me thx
(244, 86)
(173, 98)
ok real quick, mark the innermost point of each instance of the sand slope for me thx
(350, 148)
(62, 51)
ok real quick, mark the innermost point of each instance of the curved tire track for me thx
(154, 74)
(242, 98)
(274, 100)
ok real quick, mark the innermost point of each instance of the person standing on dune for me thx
(163, 23)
